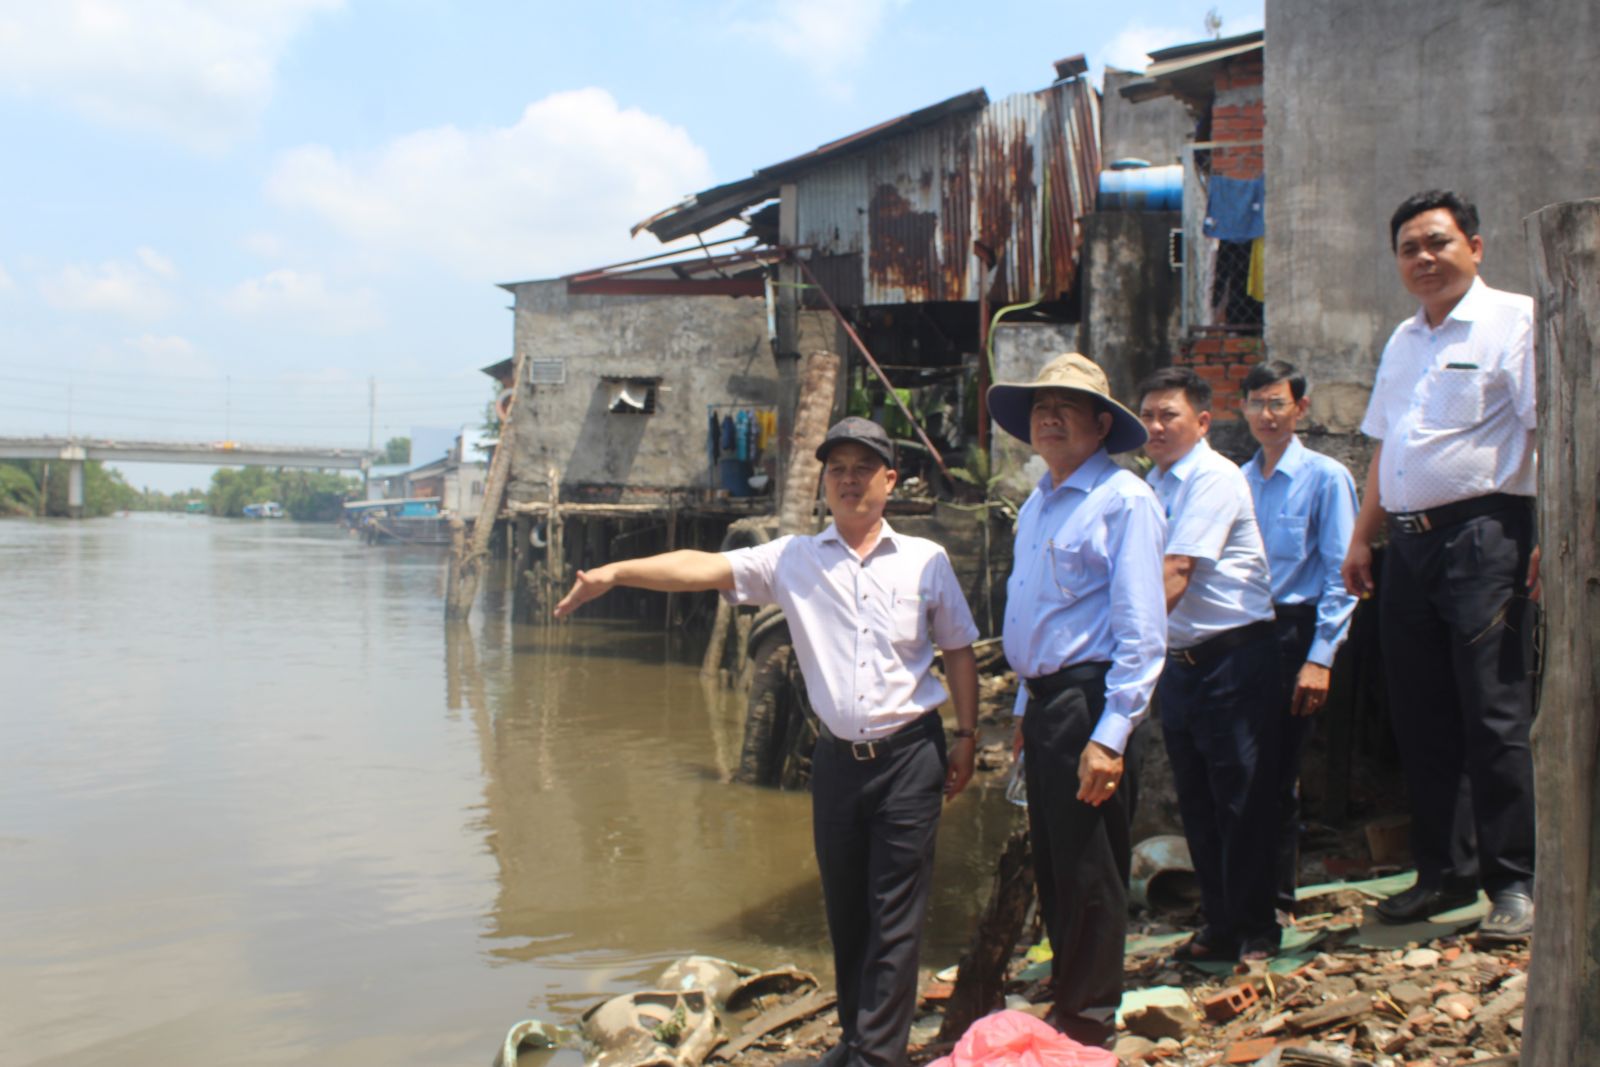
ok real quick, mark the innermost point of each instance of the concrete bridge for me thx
(76, 450)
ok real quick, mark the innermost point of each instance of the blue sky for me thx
(221, 219)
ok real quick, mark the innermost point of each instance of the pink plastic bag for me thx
(1017, 1039)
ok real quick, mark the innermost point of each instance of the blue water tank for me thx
(1141, 189)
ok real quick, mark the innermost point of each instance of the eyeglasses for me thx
(1276, 405)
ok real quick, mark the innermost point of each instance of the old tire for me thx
(780, 729)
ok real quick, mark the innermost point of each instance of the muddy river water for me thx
(259, 805)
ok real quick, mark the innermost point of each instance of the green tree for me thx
(104, 491)
(307, 495)
(397, 450)
(19, 495)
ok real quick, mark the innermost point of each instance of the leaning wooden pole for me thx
(468, 562)
(813, 413)
(1562, 1024)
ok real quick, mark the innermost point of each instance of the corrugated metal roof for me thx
(932, 213)
(703, 210)
(1187, 70)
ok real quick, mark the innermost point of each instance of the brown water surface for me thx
(259, 805)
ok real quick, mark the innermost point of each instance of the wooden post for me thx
(1562, 1018)
(980, 982)
(554, 552)
(465, 567)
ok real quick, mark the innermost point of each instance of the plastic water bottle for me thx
(1017, 784)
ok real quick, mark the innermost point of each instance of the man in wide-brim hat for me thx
(1085, 630)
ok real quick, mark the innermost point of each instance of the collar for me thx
(1289, 465)
(886, 535)
(1085, 478)
(1468, 309)
(1180, 470)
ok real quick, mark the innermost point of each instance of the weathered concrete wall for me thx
(704, 350)
(1132, 315)
(1368, 103)
(1155, 130)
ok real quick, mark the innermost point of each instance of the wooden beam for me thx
(1563, 1025)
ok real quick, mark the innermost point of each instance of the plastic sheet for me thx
(1016, 1039)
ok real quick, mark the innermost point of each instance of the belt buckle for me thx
(1413, 522)
(1186, 656)
(868, 747)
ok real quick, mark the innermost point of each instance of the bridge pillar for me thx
(75, 455)
(75, 489)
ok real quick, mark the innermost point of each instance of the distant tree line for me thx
(39, 487)
(313, 496)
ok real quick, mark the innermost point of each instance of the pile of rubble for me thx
(1446, 1003)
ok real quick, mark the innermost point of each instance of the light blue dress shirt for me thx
(1086, 587)
(1307, 511)
(1212, 519)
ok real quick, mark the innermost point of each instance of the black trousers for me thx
(1221, 723)
(1081, 856)
(1296, 629)
(1457, 627)
(874, 823)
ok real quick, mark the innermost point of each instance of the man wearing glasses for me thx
(1306, 508)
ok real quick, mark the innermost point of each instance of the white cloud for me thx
(1130, 49)
(303, 299)
(830, 38)
(554, 192)
(197, 71)
(136, 290)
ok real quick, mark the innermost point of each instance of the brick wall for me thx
(1223, 361)
(1239, 114)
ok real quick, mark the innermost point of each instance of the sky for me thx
(284, 221)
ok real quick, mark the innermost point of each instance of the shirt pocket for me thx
(1454, 399)
(909, 619)
(1077, 571)
(1286, 538)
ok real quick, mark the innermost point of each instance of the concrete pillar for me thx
(75, 489)
(787, 354)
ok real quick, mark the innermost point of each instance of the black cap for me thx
(859, 431)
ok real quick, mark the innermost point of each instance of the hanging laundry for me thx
(727, 434)
(741, 441)
(1256, 287)
(1235, 209)
(713, 437)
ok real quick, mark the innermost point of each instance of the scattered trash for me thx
(1161, 875)
(1016, 1039)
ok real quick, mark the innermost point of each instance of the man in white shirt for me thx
(866, 607)
(1453, 473)
(1219, 715)
(1085, 630)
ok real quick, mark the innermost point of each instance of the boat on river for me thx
(398, 521)
(268, 509)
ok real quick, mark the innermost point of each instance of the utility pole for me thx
(372, 436)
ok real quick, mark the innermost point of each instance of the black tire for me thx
(780, 729)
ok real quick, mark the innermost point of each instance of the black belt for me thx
(1047, 686)
(918, 729)
(1418, 522)
(1226, 641)
(1295, 612)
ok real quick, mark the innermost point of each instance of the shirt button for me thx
(863, 629)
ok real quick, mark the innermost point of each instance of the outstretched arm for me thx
(684, 571)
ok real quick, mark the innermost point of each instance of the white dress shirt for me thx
(1086, 587)
(1454, 404)
(1211, 518)
(864, 629)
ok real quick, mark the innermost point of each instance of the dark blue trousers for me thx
(1296, 630)
(1081, 857)
(1457, 631)
(874, 823)
(1221, 723)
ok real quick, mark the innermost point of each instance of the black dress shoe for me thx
(1420, 901)
(1510, 918)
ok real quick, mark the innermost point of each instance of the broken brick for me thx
(1230, 1003)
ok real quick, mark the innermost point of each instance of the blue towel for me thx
(1236, 210)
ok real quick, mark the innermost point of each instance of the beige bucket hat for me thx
(1010, 403)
